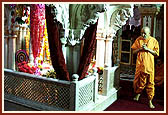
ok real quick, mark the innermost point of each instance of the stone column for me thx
(108, 51)
(23, 37)
(12, 51)
(107, 76)
(76, 57)
(73, 50)
(73, 58)
(69, 61)
(17, 32)
(19, 39)
(5, 51)
(100, 49)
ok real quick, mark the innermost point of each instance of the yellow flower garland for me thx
(45, 46)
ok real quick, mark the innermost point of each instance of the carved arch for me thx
(120, 16)
(81, 15)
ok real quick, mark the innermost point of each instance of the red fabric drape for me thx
(55, 46)
(88, 50)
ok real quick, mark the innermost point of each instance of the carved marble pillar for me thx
(116, 18)
(19, 39)
(17, 32)
(73, 49)
(69, 61)
(12, 51)
(108, 51)
(5, 51)
(76, 57)
(100, 37)
(107, 78)
(73, 58)
(100, 49)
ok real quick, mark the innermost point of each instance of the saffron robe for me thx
(144, 75)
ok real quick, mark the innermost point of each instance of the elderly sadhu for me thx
(146, 48)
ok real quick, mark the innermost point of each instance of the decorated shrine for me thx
(60, 57)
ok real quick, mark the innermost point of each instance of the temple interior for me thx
(79, 54)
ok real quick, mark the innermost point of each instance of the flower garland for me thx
(27, 39)
(45, 46)
(92, 65)
(37, 25)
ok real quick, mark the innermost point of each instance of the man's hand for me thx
(149, 50)
(137, 50)
(145, 47)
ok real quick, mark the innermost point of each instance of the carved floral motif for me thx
(60, 13)
(119, 17)
(82, 15)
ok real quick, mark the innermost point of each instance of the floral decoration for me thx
(25, 67)
(37, 27)
(50, 74)
(100, 70)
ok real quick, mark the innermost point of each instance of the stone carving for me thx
(61, 15)
(119, 17)
(60, 12)
(81, 16)
(74, 36)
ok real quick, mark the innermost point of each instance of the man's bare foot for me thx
(136, 98)
(151, 105)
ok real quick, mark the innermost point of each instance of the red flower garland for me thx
(37, 24)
